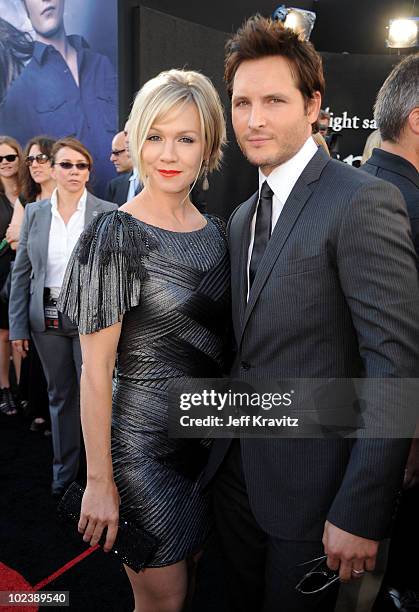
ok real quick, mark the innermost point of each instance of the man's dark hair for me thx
(398, 96)
(260, 37)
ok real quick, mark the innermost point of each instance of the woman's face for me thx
(8, 169)
(40, 172)
(172, 153)
(71, 179)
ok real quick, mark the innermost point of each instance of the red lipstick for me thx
(169, 173)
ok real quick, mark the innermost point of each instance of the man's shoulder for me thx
(121, 179)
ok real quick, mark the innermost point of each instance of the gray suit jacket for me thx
(26, 304)
(336, 295)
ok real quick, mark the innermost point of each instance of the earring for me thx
(205, 182)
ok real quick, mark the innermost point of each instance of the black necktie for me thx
(262, 229)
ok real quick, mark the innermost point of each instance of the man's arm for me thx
(378, 275)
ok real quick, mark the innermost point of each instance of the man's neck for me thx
(58, 40)
(402, 149)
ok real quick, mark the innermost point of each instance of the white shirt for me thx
(62, 240)
(134, 182)
(281, 180)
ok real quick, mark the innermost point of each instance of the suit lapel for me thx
(293, 206)
(244, 237)
(92, 209)
(43, 226)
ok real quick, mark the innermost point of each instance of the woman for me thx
(159, 301)
(50, 229)
(10, 160)
(37, 184)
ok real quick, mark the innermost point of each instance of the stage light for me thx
(299, 20)
(403, 33)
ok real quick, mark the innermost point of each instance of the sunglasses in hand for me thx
(318, 578)
(9, 158)
(68, 165)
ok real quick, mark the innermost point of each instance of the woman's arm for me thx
(13, 231)
(100, 506)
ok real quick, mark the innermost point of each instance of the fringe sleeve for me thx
(104, 275)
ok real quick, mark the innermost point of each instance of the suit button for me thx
(245, 365)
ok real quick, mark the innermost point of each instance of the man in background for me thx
(117, 190)
(65, 90)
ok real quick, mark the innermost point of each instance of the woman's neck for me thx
(174, 206)
(68, 200)
(46, 189)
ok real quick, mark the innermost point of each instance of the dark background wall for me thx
(159, 34)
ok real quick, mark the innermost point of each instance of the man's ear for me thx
(413, 120)
(313, 106)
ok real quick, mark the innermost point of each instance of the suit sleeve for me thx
(19, 291)
(377, 270)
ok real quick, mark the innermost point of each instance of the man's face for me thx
(126, 127)
(119, 155)
(269, 117)
(47, 16)
(323, 126)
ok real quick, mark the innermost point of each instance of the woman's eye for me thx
(187, 139)
(154, 138)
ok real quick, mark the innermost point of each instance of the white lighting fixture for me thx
(296, 19)
(403, 33)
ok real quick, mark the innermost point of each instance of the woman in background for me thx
(10, 189)
(37, 184)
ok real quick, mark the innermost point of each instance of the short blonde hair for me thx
(160, 95)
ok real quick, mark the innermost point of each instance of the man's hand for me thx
(21, 346)
(348, 553)
(411, 476)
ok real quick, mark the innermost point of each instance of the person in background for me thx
(117, 190)
(50, 229)
(10, 190)
(37, 184)
(373, 142)
(323, 123)
(397, 161)
(66, 88)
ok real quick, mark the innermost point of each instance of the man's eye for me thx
(241, 103)
(276, 100)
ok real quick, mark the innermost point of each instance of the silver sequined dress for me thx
(173, 290)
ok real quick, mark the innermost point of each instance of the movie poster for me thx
(58, 62)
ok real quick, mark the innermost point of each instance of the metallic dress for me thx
(173, 290)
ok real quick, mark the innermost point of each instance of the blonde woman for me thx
(158, 303)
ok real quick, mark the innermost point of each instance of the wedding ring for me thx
(358, 572)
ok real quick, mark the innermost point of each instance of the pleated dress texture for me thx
(172, 290)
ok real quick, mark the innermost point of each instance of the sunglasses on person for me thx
(318, 578)
(41, 158)
(68, 165)
(9, 158)
(117, 152)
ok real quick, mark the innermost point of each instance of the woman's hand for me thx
(12, 233)
(100, 510)
(21, 346)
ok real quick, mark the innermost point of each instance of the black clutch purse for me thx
(133, 546)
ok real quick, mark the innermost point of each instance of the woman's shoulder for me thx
(114, 232)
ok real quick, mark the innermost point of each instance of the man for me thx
(397, 117)
(324, 286)
(397, 161)
(117, 191)
(323, 122)
(66, 89)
